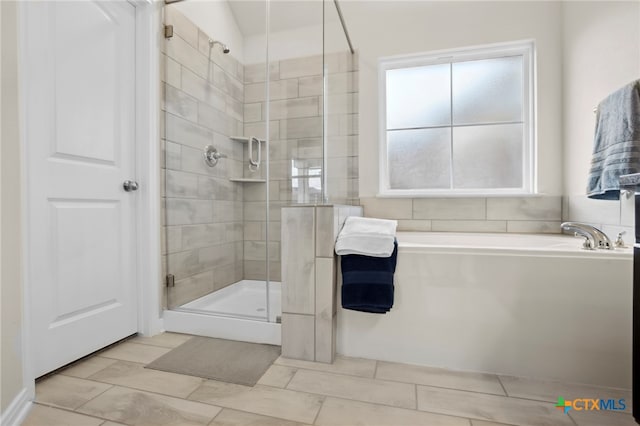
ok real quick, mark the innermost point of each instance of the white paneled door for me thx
(80, 148)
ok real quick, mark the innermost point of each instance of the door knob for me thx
(130, 185)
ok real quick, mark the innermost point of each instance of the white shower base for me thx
(236, 312)
(246, 298)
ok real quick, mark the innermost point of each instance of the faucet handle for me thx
(588, 243)
(619, 243)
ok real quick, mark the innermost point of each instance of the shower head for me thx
(225, 48)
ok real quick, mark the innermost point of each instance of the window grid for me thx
(523, 51)
(451, 169)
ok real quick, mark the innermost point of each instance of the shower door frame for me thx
(223, 325)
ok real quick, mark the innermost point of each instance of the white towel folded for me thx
(367, 236)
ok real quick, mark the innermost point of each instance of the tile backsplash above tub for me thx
(610, 216)
(513, 214)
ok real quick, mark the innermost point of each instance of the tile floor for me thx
(113, 388)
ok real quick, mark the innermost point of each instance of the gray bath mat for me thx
(217, 359)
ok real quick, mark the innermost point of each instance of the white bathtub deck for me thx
(516, 304)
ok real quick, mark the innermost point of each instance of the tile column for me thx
(309, 280)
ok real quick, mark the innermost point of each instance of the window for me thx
(458, 122)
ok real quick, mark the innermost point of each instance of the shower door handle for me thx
(130, 185)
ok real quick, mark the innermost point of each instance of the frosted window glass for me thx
(487, 91)
(419, 97)
(487, 156)
(419, 159)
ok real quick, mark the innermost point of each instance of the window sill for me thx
(395, 194)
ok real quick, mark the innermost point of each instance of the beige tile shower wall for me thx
(309, 284)
(611, 216)
(509, 214)
(202, 105)
(295, 133)
(341, 109)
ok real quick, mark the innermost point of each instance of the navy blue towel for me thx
(367, 282)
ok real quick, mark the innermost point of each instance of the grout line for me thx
(503, 387)
(402, 408)
(99, 353)
(490, 394)
(202, 383)
(248, 412)
(415, 387)
(315, 419)
(90, 377)
(69, 410)
(295, 371)
(574, 421)
(291, 380)
(350, 399)
(157, 393)
(417, 384)
(160, 346)
(375, 369)
(486, 210)
(327, 371)
(88, 401)
(214, 417)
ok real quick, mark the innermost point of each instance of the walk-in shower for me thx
(263, 120)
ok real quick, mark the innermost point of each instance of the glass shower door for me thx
(294, 119)
(340, 73)
(259, 112)
(214, 253)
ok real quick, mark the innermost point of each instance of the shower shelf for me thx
(242, 139)
(247, 180)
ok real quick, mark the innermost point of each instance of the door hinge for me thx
(168, 31)
(171, 280)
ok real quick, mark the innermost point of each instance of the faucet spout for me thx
(599, 238)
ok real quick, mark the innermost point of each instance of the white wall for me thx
(297, 29)
(388, 28)
(296, 42)
(601, 51)
(286, 44)
(10, 259)
(215, 18)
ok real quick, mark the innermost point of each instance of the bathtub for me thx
(514, 304)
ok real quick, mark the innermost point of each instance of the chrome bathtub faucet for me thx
(594, 238)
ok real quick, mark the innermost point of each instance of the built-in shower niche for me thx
(255, 166)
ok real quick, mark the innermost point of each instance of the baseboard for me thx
(17, 411)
